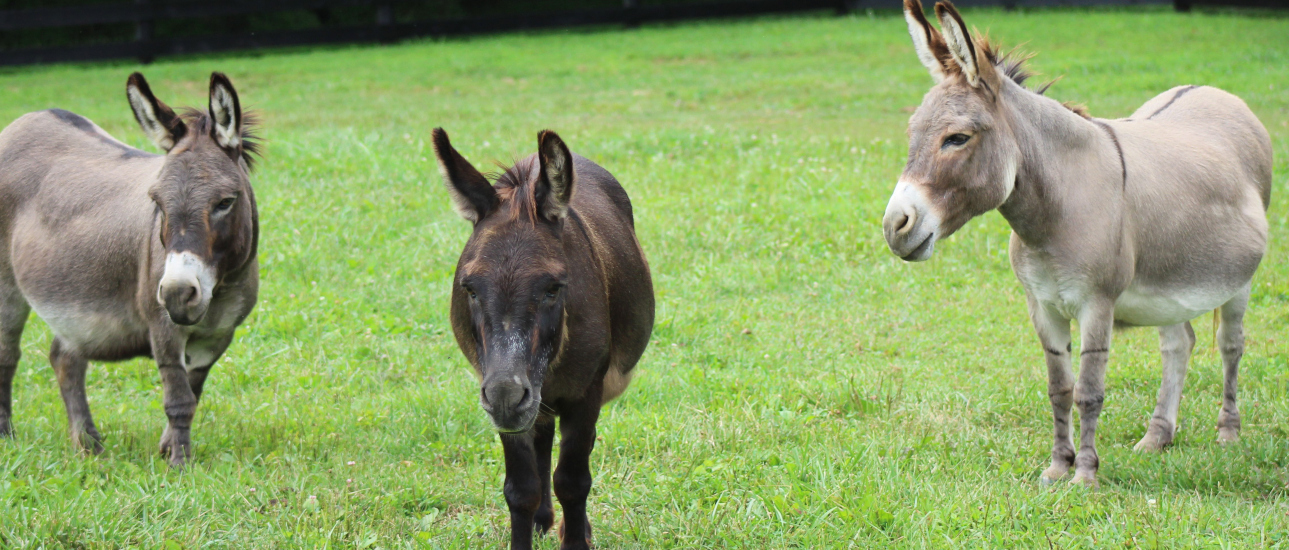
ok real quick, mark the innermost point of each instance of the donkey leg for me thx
(543, 437)
(1096, 328)
(1230, 338)
(1054, 333)
(573, 475)
(13, 316)
(70, 368)
(180, 405)
(1175, 345)
(522, 489)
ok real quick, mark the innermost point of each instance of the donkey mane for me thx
(1012, 65)
(518, 184)
(198, 121)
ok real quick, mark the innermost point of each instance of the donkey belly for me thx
(1144, 305)
(96, 334)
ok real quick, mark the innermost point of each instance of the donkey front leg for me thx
(573, 475)
(523, 488)
(1230, 339)
(543, 437)
(1096, 327)
(1054, 333)
(70, 368)
(1175, 345)
(178, 399)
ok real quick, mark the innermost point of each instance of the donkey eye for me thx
(225, 204)
(552, 292)
(956, 140)
(469, 291)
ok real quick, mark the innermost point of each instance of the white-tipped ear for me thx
(921, 32)
(225, 112)
(959, 42)
(163, 128)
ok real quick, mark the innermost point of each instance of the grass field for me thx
(804, 388)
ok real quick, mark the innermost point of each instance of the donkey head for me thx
(203, 193)
(509, 293)
(963, 156)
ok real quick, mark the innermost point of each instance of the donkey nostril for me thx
(483, 396)
(523, 400)
(191, 296)
(906, 222)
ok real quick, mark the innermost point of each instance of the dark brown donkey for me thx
(126, 253)
(553, 305)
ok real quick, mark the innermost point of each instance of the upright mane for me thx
(199, 121)
(518, 185)
(1011, 64)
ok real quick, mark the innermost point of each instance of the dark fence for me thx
(93, 31)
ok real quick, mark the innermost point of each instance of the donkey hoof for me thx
(88, 442)
(1151, 443)
(574, 544)
(6, 429)
(1053, 474)
(176, 447)
(1227, 435)
(1085, 479)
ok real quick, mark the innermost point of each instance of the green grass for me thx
(872, 404)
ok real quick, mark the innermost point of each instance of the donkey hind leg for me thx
(13, 316)
(1175, 345)
(70, 368)
(1096, 329)
(1230, 339)
(1054, 334)
(522, 488)
(543, 437)
(573, 475)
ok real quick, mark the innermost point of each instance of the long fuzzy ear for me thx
(225, 113)
(557, 175)
(472, 196)
(961, 47)
(159, 122)
(927, 41)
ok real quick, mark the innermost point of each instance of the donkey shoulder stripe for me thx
(1117, 147)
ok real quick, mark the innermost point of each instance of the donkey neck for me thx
(1070, 168)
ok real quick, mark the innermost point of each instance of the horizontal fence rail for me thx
(383, 27)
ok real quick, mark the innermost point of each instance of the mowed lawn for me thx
(803, 389)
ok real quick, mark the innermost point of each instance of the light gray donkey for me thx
(1151, 220)
(125, 253)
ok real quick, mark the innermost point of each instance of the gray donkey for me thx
(126, 253)
(1151, 220)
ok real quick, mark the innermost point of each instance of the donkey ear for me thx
(557, 175)
(158, 121)
(225, 112)
(927, 41)
(472, 196)
(961, 47)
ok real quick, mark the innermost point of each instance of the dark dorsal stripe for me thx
(1179, 93)
(83, 124)
(1119, 148)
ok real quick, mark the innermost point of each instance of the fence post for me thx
(143, 31)
(385, 22)
(631, 13)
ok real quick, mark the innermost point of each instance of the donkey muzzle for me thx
(511, 401)
(185, 287)
(910, 227)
